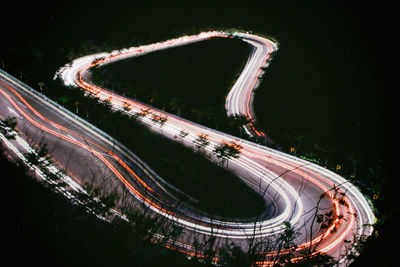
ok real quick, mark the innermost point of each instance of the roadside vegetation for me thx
(7, 127)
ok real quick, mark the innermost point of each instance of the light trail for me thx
(276, 173)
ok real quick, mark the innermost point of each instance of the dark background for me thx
(335, 69)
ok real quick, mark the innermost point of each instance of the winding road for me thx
(327, 210)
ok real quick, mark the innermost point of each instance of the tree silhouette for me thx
(227, 150)
(201, 141)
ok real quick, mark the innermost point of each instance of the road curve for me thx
(295, 187)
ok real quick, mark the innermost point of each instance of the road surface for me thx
(326, 209)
